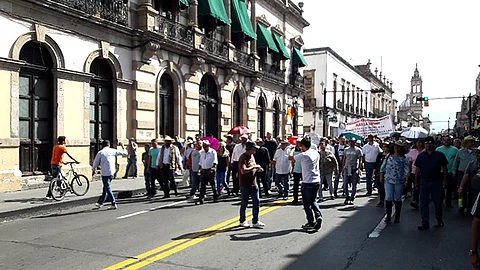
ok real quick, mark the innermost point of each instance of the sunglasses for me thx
(428, 142)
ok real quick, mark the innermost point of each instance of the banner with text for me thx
(382, 127)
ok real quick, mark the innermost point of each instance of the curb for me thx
(42, 209)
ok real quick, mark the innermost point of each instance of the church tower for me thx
(416, 90)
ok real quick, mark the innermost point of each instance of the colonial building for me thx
(101, 69)
(338, 92)
(381, 104)
(410, 111)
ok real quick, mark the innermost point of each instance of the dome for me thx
(405, 103)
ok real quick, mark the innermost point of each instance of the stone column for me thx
(146, 15)
(228, 28)
(253, 43)
(193, 12)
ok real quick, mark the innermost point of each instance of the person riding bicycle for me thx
(57, 159)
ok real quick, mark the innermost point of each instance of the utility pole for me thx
(325, 111)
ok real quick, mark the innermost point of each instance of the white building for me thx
(346, 98)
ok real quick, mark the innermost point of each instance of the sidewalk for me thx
(24, 203)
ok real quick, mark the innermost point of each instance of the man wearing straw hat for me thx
(168, 161)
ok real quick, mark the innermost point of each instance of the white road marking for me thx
(151, 209)
(381, 225)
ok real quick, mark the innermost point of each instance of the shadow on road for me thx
(203, 234)
(255, 235)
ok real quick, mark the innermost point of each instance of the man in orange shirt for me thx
(57, 159)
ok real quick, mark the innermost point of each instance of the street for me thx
(175, 234)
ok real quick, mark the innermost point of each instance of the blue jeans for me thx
(310, 205)
(246, 193)
(131, 161)
(146, 175)
(369, 167)
(393, 192)
(222, 181)
(352, 179)
(107, 190)
(329, 182)
(282, 183)
(433, 189)
(194, 182)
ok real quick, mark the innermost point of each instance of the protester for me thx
(223, 158)
(339, 150)
(309, 160)
(155, 173)
(187, 152)
(378, 164)
(208, 163)
(248, 186)
(283, 167)
(237, 152)
(297, 173)
(272, 146)
(56, 162)
(450, 153)
(412, 155)
(106, 159)
(394, 174)
(132, 158)
(146, 171)
(431, 173)
(168, 161)
(262, 158)
(194, 165)
(328, 166)
(463, 158)
(351, 166)
(475, 234)
(471, 171)
(370, 153)
(230, 146)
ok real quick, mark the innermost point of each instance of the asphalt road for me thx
(174, 234)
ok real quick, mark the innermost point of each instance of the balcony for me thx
(175, 32)
(244, 59)
(298, 81)
(215, 48)
(112, 10)
(273, 72)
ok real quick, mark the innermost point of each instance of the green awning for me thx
(241, 21)
(215, 9)
(265, 39)
(184, 4)
(298, 58)
(281, 46)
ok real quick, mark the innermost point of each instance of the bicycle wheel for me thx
(80, 184)
(57, 192)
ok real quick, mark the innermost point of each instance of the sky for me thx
(441, 36)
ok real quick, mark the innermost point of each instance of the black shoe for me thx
(332, 198)
(414, 205)
(388, 219)
(424, 227)
(318, 224)
(345, 202)
(335, 195)
(125, 177)
(176, 193)
(380, 204)
(166, 196)
(369, 194)
(440, 223)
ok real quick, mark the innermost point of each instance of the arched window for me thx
(36, 92)
(101, 105)
(166, 106)
(208, 106)
(261, 117)
(276, 119)
(236, 109)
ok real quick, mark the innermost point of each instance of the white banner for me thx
(382, 127)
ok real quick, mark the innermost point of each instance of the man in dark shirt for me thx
(262, 157)
(247, 169)
(431, 173)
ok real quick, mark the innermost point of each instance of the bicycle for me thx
(70, 182)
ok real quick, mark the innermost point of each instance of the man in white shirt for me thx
(208, 162)
(237, 152)
(370, 153)
(168, 161)
(309, 159)
(283, 167)
(106, 159)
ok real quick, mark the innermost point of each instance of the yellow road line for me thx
(190, 243)
(178, 244)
